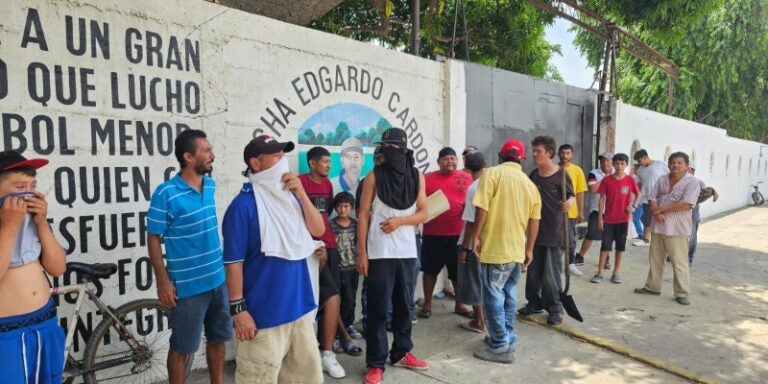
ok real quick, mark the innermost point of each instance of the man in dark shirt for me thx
(543, 283)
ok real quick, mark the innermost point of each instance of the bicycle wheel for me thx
(110, 358)
(757, 198)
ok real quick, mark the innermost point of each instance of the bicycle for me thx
(131, 341)
(757, 197)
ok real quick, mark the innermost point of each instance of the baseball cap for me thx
(351, 144)
(513, 148)
(469, 149)
(605, 155)
(474, 161)
(265, 145)
(12, 159)
(394, 136)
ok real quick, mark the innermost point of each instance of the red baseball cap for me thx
(12, 159)
(513, 148)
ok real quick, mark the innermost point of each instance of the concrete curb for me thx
(623, 350)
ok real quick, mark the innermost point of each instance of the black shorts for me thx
(647, 217)
(593, 230)
(617, 233)
(329, 276)
(438, 252)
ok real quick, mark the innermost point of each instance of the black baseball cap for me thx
(12, 159)
(265, 145)
(394, 136)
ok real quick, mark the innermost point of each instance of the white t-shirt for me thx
(648, 176)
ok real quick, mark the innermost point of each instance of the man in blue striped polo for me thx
(183, 214)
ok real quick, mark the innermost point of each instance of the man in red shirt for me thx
(320, 192)
(438, 247)
(615, 211)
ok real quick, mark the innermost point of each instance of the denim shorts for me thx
(208, 310)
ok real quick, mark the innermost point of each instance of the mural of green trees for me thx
(342, 132)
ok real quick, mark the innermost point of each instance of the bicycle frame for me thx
(83, 291)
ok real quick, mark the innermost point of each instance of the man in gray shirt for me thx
(647, 175)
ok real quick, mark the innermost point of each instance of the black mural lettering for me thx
(173, 95)
(165, 137)
(285, 110)
(143, 226)
(122, 272)
(392, 102)
(352, 79)
(312, 85)
(124, 138)
(299, 93)
(37, 36)
(43, 95)
(3, 80)
(108, 241)
(169, 172)
(137, 100)
(411, 128)
(143, 273)
(11, 135)
(325, 81)
(120, 185)
(64, 182)
(133, 52)
(42, 126)
(86, 87)
(417, 141)
(85, 228)
(192, 97)
(154, 45)
(69, 239)
(99, 37)
(127, 230)
(115, 92)
(365, 81)
(192, 54)
(377, 88)
(340, 79)
(403, 116)
(59, 79)
(105, 133)
(174, 56)
(153, 94)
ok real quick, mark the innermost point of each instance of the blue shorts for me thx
(209, 310)
(32, 347)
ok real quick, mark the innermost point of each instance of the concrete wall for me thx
(194, 65)
(503, 104)
(728, 164)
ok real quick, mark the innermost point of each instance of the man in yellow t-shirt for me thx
(575, 214)
(508, 205)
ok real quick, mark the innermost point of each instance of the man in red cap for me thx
(508, 205)
(31, 341)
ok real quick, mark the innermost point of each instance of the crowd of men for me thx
(282, 279)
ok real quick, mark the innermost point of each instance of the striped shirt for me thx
(186, 220)
(686, 190)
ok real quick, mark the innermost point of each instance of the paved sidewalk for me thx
(723, 334)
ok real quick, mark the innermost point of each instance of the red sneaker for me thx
(412, 362)
(373, 376)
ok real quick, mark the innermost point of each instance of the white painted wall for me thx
(246, 64)
(711, 148)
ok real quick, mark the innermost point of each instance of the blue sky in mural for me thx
(331, 125)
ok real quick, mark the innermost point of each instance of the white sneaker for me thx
(331, 366)
(641, 243)
(574, 270)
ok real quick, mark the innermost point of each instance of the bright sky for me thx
(572, 66)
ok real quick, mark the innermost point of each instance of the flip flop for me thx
(468, 314)
(425, 313)
(352, 349)
(466, 325)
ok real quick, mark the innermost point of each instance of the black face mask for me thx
(394, 158)
(397, 181)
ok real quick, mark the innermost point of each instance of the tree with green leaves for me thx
(720, 46)
(506, 34)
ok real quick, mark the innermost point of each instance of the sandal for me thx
(352, 349)
(425, 313)
(468, 314)
(337, 347)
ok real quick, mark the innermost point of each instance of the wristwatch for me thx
(237, 306)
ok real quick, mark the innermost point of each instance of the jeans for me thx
(572, 241)
(692, 241)
(500, 301)
(637, 221)
(390, 283)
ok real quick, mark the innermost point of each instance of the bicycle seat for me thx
(92, 271)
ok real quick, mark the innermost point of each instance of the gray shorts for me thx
(469, 291)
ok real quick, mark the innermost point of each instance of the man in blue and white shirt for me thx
(182, 214)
